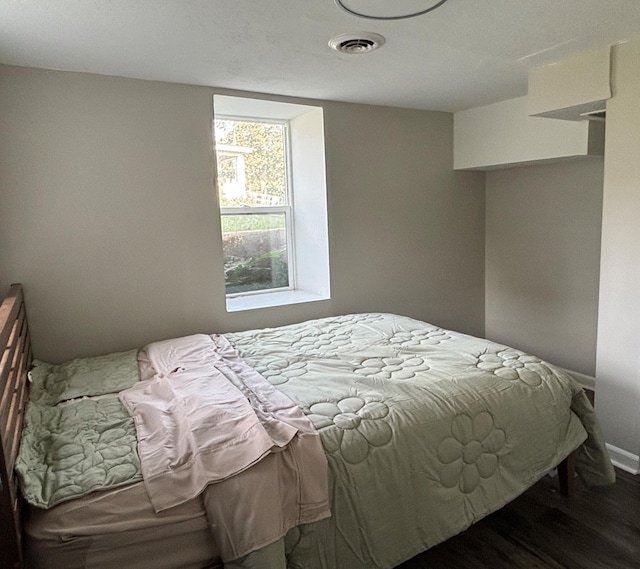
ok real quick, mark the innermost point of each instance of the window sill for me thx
(255, 301)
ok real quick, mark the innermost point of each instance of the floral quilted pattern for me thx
(515, 365)
(470, 454)
(402, 366)
(92, 442)
(351, 425)
(321, 342)
(280, 370)
(350, 322)
(420, 337)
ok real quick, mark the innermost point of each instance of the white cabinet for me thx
(503, 135)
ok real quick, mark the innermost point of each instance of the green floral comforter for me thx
(426, 431)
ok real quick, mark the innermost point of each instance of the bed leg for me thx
(567, 475)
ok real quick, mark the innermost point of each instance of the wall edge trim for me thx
(624, 460)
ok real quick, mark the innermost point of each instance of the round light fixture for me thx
(361, 42)
(385, 10)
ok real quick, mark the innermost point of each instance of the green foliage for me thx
(267, 271)
(252, 222)
(265, 165)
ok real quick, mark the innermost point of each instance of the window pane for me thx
(255, 252)
(251, 163)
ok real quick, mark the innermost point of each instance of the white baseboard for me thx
(624, 460)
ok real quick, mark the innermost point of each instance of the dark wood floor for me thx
(598, 528)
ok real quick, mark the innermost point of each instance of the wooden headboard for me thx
(15, 351)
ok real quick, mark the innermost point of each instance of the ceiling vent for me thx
(362, 42)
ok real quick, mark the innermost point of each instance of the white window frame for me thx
(307, 227)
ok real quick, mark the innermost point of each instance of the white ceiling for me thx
(463, 54)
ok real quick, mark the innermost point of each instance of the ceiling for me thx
(463, 54)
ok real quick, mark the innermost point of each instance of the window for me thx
(272, 196)
(255, 204)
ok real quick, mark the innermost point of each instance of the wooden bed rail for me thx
(15, 361)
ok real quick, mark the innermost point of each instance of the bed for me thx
(423, 431)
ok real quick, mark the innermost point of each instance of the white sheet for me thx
(209, 421)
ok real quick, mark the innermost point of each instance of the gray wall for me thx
(109, 219)
(543, 260)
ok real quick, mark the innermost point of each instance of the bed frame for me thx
(15, 354)
(15, 362)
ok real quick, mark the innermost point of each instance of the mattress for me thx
(425, 431)
(119, 528)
